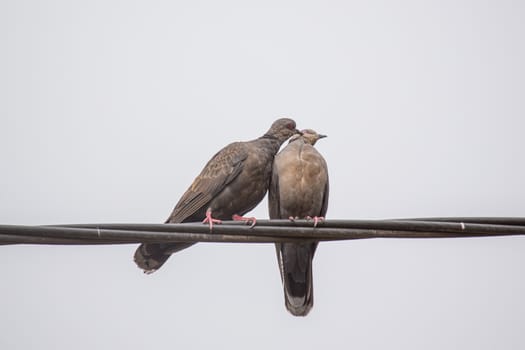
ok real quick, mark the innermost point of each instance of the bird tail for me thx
(295, 263)
(151, 256)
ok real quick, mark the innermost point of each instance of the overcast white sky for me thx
(109, 109)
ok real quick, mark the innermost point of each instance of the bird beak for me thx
(299, 132)
(321, 136)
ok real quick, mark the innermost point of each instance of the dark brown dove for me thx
(231, 184)
(298, 189)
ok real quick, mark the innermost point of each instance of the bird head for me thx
(308, 135)
(282, 129)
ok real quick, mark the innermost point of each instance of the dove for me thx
(231, 184)
(298, 189)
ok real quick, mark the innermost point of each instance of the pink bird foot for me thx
(210, 220)
(316, 219)
(252, 219)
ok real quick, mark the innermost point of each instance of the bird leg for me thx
(252, 219)
(316, 219)
(209, 219)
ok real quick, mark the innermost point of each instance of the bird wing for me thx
(222, 169)
(326, 191)
(273, 196)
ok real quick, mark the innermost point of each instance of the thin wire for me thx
(266, 231)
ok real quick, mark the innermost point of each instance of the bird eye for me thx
(290, 126)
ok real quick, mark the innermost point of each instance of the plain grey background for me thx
(109, 109)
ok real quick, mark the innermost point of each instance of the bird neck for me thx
(273, 141)
(270, 137)
(299, 139)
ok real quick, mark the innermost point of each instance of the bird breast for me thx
(249, 188)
